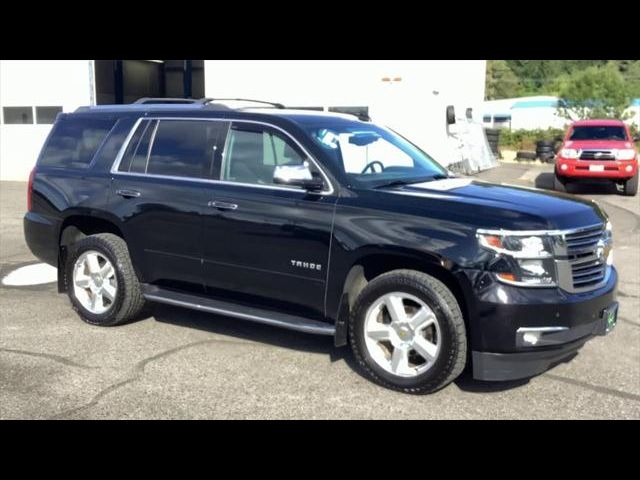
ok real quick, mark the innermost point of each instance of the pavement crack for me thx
(595, 388)
(49, 356)
(139, 372)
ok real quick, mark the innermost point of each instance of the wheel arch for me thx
(76, 226)
(372, 264)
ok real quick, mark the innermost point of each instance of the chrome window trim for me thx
(123, 148)
(151, 141)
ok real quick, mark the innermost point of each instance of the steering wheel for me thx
(370, 166)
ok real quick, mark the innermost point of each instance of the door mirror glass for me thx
(297, 176)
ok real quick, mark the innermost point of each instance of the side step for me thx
(205, 304)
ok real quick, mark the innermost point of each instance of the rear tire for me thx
(444, 332)
(120, 296)
(630, 186)
(559, 183)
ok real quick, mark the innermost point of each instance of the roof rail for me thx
(154, 100)
(208, 100)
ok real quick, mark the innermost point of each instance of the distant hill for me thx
(515, 78)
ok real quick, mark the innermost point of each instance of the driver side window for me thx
(253, 151)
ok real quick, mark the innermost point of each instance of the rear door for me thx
(160, 189)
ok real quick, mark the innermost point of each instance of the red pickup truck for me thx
(598, 149)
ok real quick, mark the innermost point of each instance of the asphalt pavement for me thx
(184, 364)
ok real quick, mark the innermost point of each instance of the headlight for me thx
(569, 153)
(608, 238)
(524, 260)
(625, 154)
(518, 246)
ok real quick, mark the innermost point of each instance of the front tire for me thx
(559, 183)
(407, 332)
(101, 283)
(630, 186)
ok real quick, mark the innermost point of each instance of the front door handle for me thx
(222, 205)
(128, 193)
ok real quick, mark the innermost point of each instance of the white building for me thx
(409, 96)
(524, 113)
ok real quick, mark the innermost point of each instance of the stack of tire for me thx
(545, 150)
(493, 138)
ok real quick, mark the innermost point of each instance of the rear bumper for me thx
(612, 169)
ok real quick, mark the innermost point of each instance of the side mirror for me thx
(451, 115)
(297, 176)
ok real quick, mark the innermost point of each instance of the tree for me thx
(501, 82)
(594, 92)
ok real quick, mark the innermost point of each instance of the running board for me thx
(205, 304)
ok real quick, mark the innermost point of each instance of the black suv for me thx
(322, 223)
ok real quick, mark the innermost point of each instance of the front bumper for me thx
(504, 312)
(611, 169)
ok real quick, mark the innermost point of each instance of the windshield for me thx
(596, 132)
(373, 156)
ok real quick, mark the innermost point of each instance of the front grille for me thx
(586, 274)
(597, 155)
(584, 241)
(581, 259)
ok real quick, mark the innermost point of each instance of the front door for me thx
(263, 243)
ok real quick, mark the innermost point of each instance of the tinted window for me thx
(595, 132)
(17, 115)
(184, 148)
(125, 163)
(252, 153)
(74, 141)
(47, 115)
(141, 152)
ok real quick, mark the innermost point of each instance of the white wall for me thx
(537, 118)
(408, 105)
(65, 83)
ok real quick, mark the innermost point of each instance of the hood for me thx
(492, 205)
(597, 144)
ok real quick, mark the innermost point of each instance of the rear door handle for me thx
(222, 205)
(128, 193)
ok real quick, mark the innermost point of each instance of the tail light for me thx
(30, 189)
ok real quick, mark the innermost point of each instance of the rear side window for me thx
(74, 142)
(135, 158)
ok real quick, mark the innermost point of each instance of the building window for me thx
(47, 115)
(17, 115)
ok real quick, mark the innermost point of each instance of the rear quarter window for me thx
(74, 142)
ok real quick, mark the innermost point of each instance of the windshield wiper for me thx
(408, 181)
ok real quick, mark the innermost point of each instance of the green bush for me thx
(526, 139)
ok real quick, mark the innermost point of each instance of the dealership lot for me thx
(184, 364)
